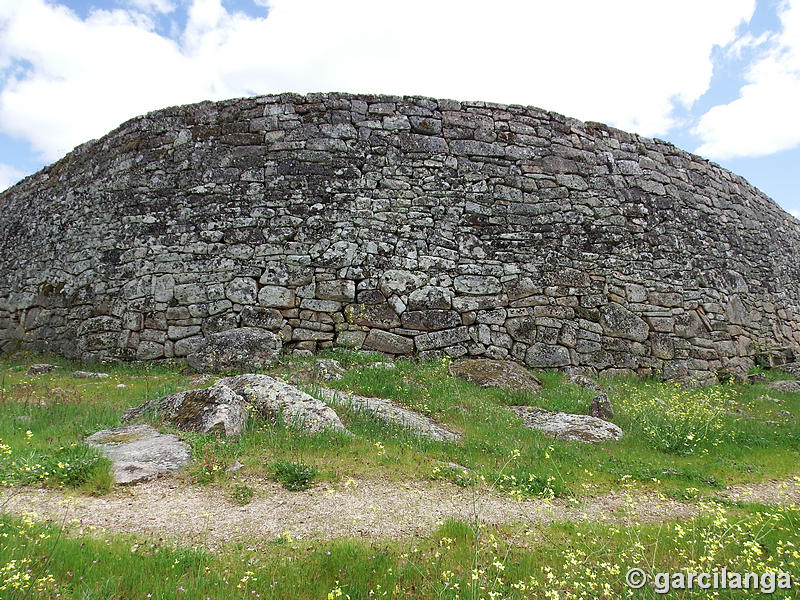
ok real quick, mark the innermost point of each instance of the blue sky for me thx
(716, 77)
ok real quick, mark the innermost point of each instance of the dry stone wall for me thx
(398, 224)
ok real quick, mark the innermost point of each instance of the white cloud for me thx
(625, 62)
(9, 176)
(764, 118)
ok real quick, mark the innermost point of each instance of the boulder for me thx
(40, 369)
(784, 386)
(566, 426)
(388, 411)
(139, 453)
(217, 409)
(601, 407)
(246, 349)
(503, 374)
(273, 398)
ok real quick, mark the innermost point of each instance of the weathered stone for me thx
(565, 426)
(243, 349)
(522, 329)
(273, 398)
(139, 453)
(89, 375)
(262, 318)
(390, 412)
(242, 290)
(428, 320)
(618, 321)
(503, 374)
(341, 290)
(322, 369)
(430, 298)
(216, 409)
(441, 339)
(396, 281)
(476, 285)
(784, 386)
(601, 407)
(276, 296)
(40, 369)
(390, 343)
(546, 356)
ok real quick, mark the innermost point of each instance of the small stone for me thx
(388, 411)
(601, 407)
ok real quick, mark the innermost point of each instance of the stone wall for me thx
(399, 224)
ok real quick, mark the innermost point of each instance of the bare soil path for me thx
(170, 510)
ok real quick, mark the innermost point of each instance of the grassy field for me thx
(684, 444)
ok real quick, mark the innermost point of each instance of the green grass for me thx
(457, 560)
(736, 436)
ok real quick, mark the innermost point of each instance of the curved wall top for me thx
(401, 224)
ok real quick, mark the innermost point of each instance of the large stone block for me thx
(618, 321)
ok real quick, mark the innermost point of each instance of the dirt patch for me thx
(169, 510)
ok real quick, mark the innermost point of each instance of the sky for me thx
(720, 78)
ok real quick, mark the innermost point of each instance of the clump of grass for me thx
(674, 420)
(242, 494)
(75, 466)
(294, 476)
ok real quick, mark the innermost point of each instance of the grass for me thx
(458, 560)
(703, 438)
(685, 445)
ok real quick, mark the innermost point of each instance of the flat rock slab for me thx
(89, 375)
(566, 426)
(273, 397)
(139, 453)
(41, 369)
(389, 412)
(503, 374)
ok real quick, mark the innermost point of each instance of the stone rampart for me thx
(400, 224)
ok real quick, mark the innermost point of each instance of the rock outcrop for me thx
(388, 411)
(503, 374)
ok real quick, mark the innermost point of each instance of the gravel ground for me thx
(169, 510)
